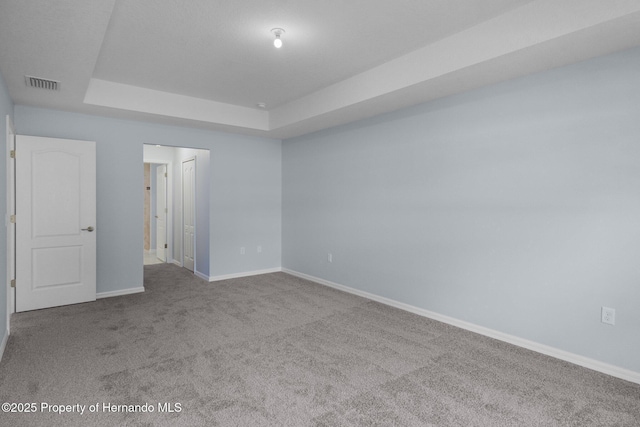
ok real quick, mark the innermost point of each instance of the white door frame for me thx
(165, 177)
(195, 165)
(153, 160)
(11, 228)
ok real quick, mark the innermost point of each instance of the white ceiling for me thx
(207, 63)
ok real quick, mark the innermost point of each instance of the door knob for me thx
(89, 229)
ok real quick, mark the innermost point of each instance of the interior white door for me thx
(161, 212)
(188, 213)
(55, 222)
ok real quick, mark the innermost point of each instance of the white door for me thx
(55, 222)
(188, 212)
(161, 212)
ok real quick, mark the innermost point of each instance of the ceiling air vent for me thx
(39, 83)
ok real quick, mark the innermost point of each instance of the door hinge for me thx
(165, 174)
(12, 153)
(13, 283)
(165, 245)
(166, 210)
(12, 219)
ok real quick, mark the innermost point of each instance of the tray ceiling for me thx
(208, 64)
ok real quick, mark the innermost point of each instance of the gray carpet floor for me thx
(276, 350)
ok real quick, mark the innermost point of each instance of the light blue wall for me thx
(238, 213)
(515, 207)
(248, 218)
(6, 108)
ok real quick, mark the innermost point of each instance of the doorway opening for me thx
(176, 207)
(155, 213)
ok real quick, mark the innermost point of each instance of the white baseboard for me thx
(178, 263)
(3, 344)
(576, 359)
(244, 274)
(119, 293)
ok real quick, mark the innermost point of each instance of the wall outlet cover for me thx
(609, 315)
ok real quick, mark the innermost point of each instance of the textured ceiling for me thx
(222, 50)
(207, 63)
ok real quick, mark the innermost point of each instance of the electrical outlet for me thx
(259, 249)
(609, 315)
(330, 257)
(242, 250)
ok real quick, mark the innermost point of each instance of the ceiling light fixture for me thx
(277, 42)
